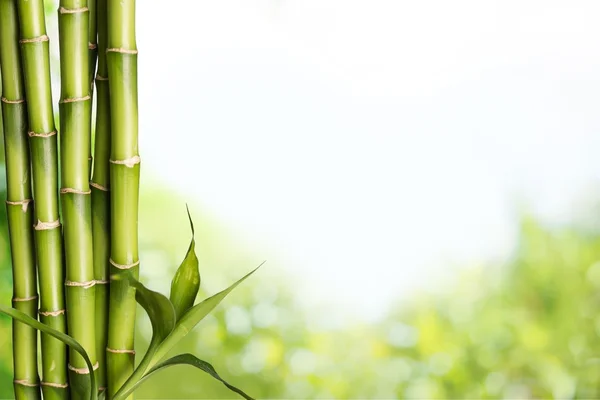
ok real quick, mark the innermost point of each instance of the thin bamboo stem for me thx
(121, 56)
(93, 55)
(19, 204)
(101, 197)
(75, 121)
(124, 177)
(43, 148)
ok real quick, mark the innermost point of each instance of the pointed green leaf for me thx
(162, 317)
(186, 282)
(192, 318)
(188, 359)
(66, 339)
(157, 306)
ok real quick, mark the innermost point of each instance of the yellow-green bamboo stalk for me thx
(121, 57)
(44, 160)
(100, 186)
(93, 54)
(75, 121)
(19, 204)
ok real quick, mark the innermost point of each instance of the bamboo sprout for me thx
(42, 144)
(101, 198)
(121, 56)
(19, 206)
(75, 121)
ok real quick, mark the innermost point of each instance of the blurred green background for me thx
(527, 329)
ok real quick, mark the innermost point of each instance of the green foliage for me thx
(165, 332)
(187, 359)
(186, 282)
(193, 317)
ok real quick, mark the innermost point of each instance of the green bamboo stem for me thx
(75, 121)
(121, 56)
(19, 204)
(44, 160)
(93, 54)
(93, 39)
(100, 186)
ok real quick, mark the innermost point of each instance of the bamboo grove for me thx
(73, 209)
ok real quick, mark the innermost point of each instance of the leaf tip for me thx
(190, 218)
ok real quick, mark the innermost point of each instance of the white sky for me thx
(358, 144)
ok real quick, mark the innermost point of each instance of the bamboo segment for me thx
(93, 40)
(75, 121)
(19, 205)
(124, 179)
(100, 186)
(43, 149)
(93, 54)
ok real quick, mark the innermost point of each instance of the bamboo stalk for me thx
(43, 148)
(121, 57)
(101, 197)
(75, 121)
(93, 55)
(19, 205)
(93, 39)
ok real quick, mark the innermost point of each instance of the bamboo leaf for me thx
(157, 306)
(187, 359)
(186, 282)
(66, 339)
(193, 317)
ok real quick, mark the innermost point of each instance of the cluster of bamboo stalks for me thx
(70, 233)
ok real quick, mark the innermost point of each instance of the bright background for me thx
(421, 177)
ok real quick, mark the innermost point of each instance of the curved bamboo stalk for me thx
(75, 121)
(19, 204)
(43, 148)
(100, 186)
(121, 56)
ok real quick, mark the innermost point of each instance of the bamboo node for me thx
(19, 299)
(23, 203)
(83, 371)
(92, 46)
(101, 282)
(120, 351)
(101, 388)
(42, 135)
(99, 187)
(43, 38)
(84, 285)
(121, 50)
(64, 10)
(75, 99)
(43, 226)
(51, 313)
(101, 78)
(124, 266)
(7, 101)
(24, 382)
(129, 162)
(55, 385)
(74, 191)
